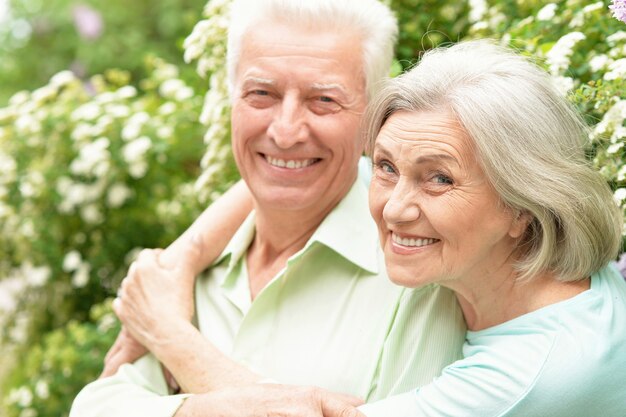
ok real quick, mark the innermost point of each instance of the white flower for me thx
(106, 322)
(478, 8)
(619, 195)
(618, 133)
(175, 89)
(89, 111)
(117, 111)
(131, 131)
(28, 412)
(81, 276)
(135, 150)
(92, 159)
(44, 93)
(617, 69)
(36, 276)
(558, 56)
(547, 12)
(62, 78)
(91, 214)
(126, 92)
(165, 132)
(19, 98)
(613, 148)
(593, 7)
(184, 93)
(105, 97)
(27, 124)
(82, 131)
(41, 389)
(167, 108)
(8, 167)
(118, 194)
(563, 84)
(598, 62)
(138, 169)
(616, 37)
(21, 396)
(133, 126)
(72, 261)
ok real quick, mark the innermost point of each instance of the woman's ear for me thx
(520, 224)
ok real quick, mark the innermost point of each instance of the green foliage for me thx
(425, 24)
(54, 370)
(91, 173)
(42, 38)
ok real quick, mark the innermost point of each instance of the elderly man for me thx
(300, 294)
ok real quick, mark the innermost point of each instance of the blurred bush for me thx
(95, 168)
(43, 37)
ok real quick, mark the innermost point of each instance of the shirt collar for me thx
(348, 230)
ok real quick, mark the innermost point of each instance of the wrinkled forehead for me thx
(280, 53)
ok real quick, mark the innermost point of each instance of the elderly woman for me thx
(480, 184)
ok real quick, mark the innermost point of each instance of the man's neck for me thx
(279, 235)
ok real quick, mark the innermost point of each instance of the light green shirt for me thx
(331, 318)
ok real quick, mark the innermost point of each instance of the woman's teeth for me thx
(412, 242)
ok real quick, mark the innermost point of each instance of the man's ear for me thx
(520, 224)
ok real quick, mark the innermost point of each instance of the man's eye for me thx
(260, 92)
(326, 99)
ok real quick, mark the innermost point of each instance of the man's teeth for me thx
(289, 164)
(412, 242)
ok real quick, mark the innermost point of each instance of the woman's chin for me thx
(406, 277)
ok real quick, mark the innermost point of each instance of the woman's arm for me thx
(209, 233)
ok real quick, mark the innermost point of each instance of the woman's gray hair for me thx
(530, 143)
(371, 20)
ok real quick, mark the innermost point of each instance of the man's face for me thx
(297, 105)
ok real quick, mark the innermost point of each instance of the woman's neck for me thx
(492, 300)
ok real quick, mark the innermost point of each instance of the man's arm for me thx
(209, 233)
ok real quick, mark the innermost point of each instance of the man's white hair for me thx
(371, 20)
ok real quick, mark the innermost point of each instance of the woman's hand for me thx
(271, 400)
(157, 298)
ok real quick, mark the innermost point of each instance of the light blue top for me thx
(564, 360)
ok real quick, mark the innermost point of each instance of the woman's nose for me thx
(402, 206)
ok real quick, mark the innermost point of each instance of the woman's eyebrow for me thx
(436, 157)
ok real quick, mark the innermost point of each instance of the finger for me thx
(146, 256)
(118, 308)
(333, 407)
(171, 381)
(132, 270)
(346, 398)
(114, 349)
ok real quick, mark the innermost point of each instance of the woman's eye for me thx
(386, 167)
(443, 179)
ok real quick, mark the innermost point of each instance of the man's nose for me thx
(403, 205)
(289, 126)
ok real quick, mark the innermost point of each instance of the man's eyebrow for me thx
(259, 80)
(330, 86)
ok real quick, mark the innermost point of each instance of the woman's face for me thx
(438, 217)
